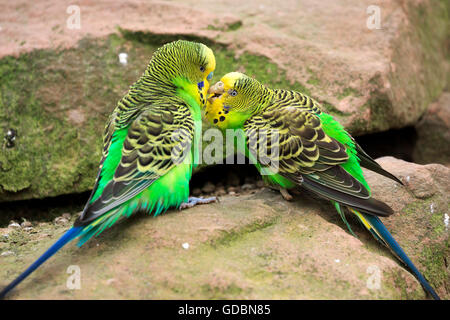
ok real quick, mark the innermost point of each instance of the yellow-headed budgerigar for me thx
(313, 151)
(150, 145)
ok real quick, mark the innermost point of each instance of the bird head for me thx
(187, 65)
(233, 99)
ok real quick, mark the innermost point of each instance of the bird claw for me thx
(193, 201)
(285, 194)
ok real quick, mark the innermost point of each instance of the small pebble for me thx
(28, 229)
(26, 224)
(196, 192)
(185, 245)
(232, 193)
(221, 191)
(67, 216)
(208, 187)
(61, 221)
(249, 180)
(260, 184)
(248, 186)
(123, 58)
(13, 225)
(7, 253)
(233, 179)
(111, 281)
(219, 185)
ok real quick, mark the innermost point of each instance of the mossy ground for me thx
(58, 102)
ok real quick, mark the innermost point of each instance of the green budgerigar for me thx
(150, 145)
(294, 144)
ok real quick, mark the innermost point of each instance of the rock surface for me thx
(371, 73)
(433, 133)
(60, 83)
(251, 247)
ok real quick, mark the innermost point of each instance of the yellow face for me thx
(222, 101)
(206, 75)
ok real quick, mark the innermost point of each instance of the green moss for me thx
(380, 105)
(58, 102)
(16, 238)
(215, 292)
(347, 92)
(434, 254)
(229, 27)
(397, 278)
(435, 259)
(231, 236)
(214, 28)
(430, 215)
(313, 81)
(234, 26)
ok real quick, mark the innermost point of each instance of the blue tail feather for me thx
(395, 247)
(67, 237)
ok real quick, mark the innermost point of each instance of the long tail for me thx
(66, 238)
(379, 231)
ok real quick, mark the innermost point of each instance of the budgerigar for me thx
(312, 151)
(150, 145)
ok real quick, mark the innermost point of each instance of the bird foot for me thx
(285, 194)
(193, 201)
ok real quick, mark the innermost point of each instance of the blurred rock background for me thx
(61, 76)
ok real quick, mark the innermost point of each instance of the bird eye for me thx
(232, 93)
(202, 68)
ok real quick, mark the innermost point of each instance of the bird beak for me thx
(216, 91)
